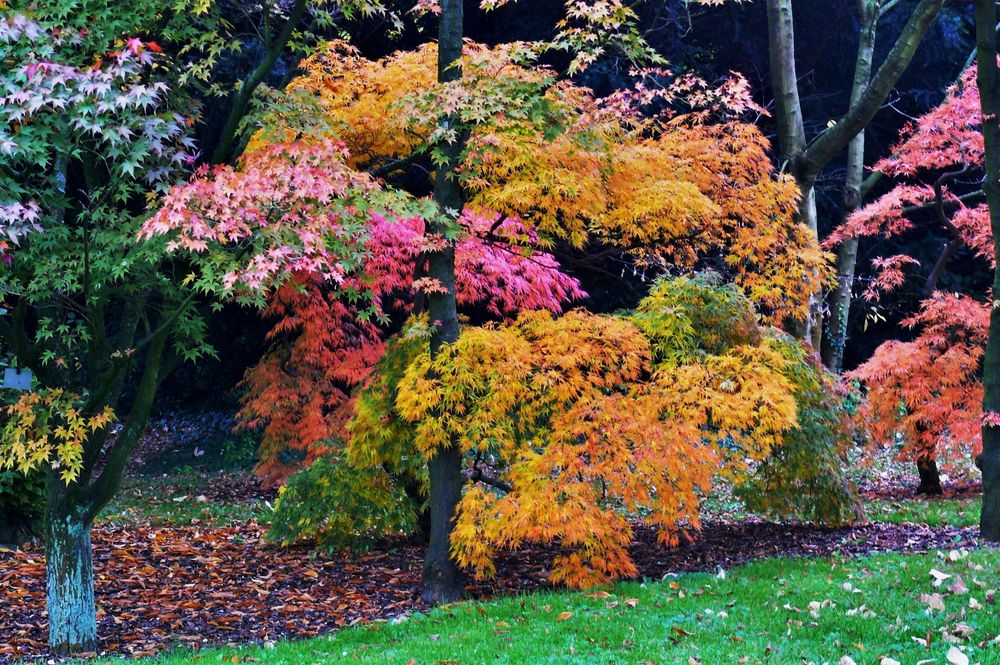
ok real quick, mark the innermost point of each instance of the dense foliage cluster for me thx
(547, 165)
(572, 426)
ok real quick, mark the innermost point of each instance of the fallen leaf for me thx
(956, 657)
(933, 600)
(563, 616)
(939, 577)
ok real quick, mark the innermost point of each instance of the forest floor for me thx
(182, 563)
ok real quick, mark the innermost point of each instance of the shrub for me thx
(338, 506)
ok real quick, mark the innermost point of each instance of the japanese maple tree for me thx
(95, 124)
(928, 391)
(512, 140)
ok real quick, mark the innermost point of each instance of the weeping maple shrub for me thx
(926, 395)
(22, 502)
(337, 506)
(572, 426)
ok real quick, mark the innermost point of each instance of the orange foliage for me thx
(928, 391)
(582, 428)
(301, 389)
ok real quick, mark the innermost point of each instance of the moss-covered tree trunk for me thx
(442, 579)
(69, 571)
(988, 81)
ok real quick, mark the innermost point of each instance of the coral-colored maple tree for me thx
(943, 146)
(927, 392)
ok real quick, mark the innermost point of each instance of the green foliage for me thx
(379, 437)
(338, 506)
(805, 476)
(689, 316)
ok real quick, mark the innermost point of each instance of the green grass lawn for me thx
(933, 512)
(778, 611)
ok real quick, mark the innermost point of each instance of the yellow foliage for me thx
(46, 427)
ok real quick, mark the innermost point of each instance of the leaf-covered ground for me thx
(167, 586)
(181, 563)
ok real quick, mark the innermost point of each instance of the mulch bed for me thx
(193, 586)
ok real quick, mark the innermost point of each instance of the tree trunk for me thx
(930, 479)
(988, 81)
(71, 510)
(69, 573)
(443, 582)
(835, 337)
(835, 334)
(791, 128)
(805, 161)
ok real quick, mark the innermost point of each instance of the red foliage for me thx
(945, 137)
(927, 391)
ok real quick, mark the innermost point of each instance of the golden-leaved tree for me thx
(521, 163)
(547, 165)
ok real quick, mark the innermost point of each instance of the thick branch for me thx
(243, 96)
(824, 148)
(478, 476)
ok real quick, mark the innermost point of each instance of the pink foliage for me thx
(948, 136)
(889, 275)
(18, 220)
(973, 226)
(496, 266)
(286, 200)
(885, 216)
(298, 206)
